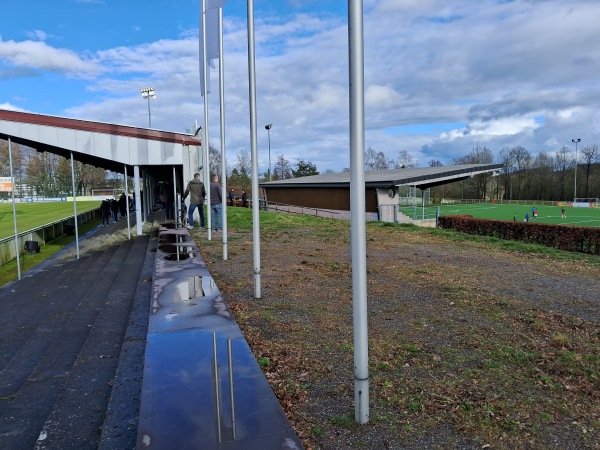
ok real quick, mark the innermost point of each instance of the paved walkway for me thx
(77, 354)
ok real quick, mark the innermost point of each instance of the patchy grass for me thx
(471, 342)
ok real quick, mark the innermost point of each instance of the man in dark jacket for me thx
(195, 189)
(216, 204)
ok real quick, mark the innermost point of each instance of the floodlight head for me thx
(148, 92)
(575, 141)
(268, 127)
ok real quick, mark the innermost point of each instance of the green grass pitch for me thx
(33, 215)
(585, 217)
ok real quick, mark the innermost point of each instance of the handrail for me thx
(302, 209)
(33, 230)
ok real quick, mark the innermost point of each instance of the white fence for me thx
(44, 234)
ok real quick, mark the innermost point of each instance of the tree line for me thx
(524, 176)
(45, 174)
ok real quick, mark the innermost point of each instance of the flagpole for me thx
(254, 150)
(223, 153)
(205, 130)
(14, 208)
(357, 212)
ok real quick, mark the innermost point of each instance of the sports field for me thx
(33, 215)
(585, 217)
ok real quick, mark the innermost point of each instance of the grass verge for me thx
(473, 342)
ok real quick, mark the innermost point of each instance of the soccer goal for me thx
(586, 202)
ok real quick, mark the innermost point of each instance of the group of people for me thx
(197, 192)
(244, 198)
(112, 210)
(535, 213)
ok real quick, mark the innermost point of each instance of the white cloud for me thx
(501, 73)
(382, 97)
(10, 107)
(37, 35)
(39, 55)
(505, 126)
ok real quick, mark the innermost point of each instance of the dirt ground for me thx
(470, 346)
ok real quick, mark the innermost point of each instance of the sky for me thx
(441, 77)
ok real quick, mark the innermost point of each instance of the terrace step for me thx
(69, 320)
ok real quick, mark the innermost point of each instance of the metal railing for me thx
(43, 234)
(293, 209)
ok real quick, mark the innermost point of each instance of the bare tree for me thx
(282, 169)
(41, 173)
(542, 177)
(375, 160)
(561, 165)
(522, 159)
(479, 155)
(508, 167)
(214, 158)
(405, 160)
(590, 156)
(434, 163)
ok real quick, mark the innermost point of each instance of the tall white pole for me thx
(149, 116)
(175, 205)
(269, 138)
(127, 202)
(138, 200)
(357, 212)
(14, 208)
(75, 206)
(205, 130)
(575, 141)
(254, 151)
(222, 115)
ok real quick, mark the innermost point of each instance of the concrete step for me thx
(49, 300)
(27, 411)
(99, 239)
(77, 417)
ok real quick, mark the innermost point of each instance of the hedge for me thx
(563, 237)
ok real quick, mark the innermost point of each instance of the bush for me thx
(563, 237)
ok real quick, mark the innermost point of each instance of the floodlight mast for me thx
(268, 128)
(148, 93)
(575, 141)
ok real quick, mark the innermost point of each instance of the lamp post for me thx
(148, 93)
(268, 128)
(575, 141)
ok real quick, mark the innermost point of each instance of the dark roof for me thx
(99, 127)
(422, 177)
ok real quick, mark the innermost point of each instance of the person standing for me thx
(195, 189)
(564, 213)
(105, 210)
(244, 199)
(114, 209)
(216, 204)
(123, 205)
(231, 196)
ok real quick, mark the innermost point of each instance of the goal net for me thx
(587, 202)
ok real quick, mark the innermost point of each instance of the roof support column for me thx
(126, 200)
(75, 205)
(138, 200)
